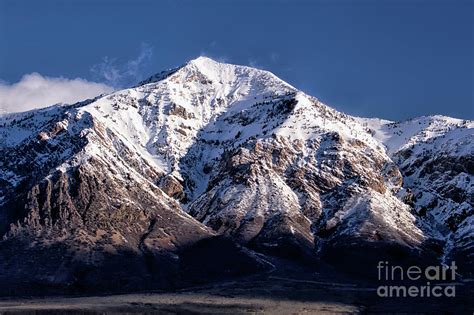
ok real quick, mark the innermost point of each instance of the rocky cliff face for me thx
(211, 155)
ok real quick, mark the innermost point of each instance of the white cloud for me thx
(36, 91)
(120, 75)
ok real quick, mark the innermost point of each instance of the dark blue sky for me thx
(391, 59)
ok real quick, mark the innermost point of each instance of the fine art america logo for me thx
(436, 281)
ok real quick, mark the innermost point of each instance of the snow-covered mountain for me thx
(211, 149)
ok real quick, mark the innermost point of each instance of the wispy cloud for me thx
(36, 91)
(253, 62)
(116, 74)
(223, 59)
(274, 56)
(209, 51)
(218, 58)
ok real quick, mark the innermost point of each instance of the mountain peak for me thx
(202, 60)
(230, 77)
(201, 63)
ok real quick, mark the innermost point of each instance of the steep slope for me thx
(436, 158)
(80, 208)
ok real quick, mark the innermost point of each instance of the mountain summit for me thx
(217, 160)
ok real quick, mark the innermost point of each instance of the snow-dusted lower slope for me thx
(218, 149)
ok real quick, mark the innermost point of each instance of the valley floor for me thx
(270, 294)
(172, 303)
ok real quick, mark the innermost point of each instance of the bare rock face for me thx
(179, 111)
(183, 178)
(172, 187)
(92, 219)
(84, 218)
